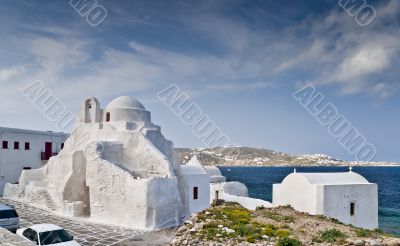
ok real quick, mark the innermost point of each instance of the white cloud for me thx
(8, 73)
(336, 51)
(314, 52)
(382, 90)
(370, 58)
(232, 87)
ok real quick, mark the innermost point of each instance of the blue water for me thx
(259, 181)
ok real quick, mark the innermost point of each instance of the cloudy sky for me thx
(240, 61)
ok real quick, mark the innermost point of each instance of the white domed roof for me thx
(330, 178)
(125, 102)
(213, 171)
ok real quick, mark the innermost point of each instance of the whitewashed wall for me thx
(12, 161)
(298, 193)
(337, 199)
(201, 181)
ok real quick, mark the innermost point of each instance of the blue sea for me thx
(259, 181)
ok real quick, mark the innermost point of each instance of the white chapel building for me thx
(346, 196)
(116, 168)
(197, 181)
(24, 150)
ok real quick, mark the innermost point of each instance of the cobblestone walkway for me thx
(85, 233)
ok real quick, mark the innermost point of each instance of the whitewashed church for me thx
(346, 196)
(116, 168)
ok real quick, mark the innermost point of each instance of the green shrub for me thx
(241, 230)
(211, 225)
(288, 218)
(364, 232)
(256, 223)
(282, 233)
(245, 230)
(269, 232)
(379, 231)
(273, 216)
(211, 233)
(273, 227)
(287, 241)
(236, 215)
(243, 221)
(278, 217)
(329, 236)
(252, 238)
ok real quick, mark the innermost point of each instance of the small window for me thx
(27, 146)
(62, 145)
(26, 168)
(195, 193)
(5, 144)
(108, 117)
(16, 145)
(352, 208)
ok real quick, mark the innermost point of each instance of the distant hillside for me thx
(246, 156)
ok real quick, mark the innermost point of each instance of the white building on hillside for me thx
(25, 149)
(198, 182)
(347, 196)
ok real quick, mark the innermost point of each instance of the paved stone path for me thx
(157, 238)
(84, 232)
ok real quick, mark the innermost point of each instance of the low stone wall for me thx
(10, 239)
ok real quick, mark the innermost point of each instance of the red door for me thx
(48, 148)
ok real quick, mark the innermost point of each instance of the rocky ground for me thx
(156, 238)
(231, 224)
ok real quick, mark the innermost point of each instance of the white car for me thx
(47, 234)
